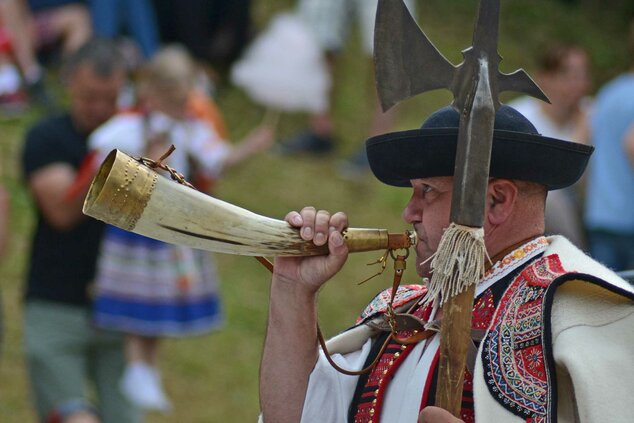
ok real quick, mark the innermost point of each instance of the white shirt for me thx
(192, 138)
(330, 393)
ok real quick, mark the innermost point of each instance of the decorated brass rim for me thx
(120, 191)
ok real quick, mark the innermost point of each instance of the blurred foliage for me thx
(214, 378)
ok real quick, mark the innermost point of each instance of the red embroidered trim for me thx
(379, 304)
(370, 407)
(481, 318)
(426, 392)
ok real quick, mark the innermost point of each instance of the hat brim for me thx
(397, 157)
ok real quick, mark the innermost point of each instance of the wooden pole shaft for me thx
(454, 338)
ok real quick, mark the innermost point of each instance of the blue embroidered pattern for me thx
(513, 354)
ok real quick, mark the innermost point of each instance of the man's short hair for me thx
(529, 189)
(103, 54)
(553, 58)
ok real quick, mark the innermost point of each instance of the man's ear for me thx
(501, 198)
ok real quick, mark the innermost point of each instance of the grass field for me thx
(214, 378)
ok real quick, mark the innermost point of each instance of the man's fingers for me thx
(338, 250)
(294, 218)
(317, 225)
(337, 244)
(308, 223)
(339, 221)
(322, 223)
(437, 415)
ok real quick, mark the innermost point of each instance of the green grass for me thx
(214, 378)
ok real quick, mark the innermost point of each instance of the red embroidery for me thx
(531, 359)
(543, 271)
(483, 311)
(379, 304)
(467, 413)
(370, 406)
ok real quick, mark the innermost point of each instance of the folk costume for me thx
(528, 368)
(550, 326)
(144, 286)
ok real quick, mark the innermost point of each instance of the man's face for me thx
(428, 211)
(570, 84)
(93, 97)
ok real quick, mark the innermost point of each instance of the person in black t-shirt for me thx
(63, 350)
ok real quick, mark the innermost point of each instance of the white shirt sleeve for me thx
(208, 149)
(329, 392)
(124, 132)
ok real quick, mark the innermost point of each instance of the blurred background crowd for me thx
(89, 305)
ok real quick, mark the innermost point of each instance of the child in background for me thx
(146, 288)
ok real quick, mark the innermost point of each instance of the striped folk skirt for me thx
(150, 288)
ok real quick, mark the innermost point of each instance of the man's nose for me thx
(413, 211)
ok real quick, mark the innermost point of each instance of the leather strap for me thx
(392, 321)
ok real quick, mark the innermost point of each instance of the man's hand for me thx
(321, 228)
(437, 415)
(50, 185)
(290, 347)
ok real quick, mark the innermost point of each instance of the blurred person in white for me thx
(145, 288)
(330, 22)
(564, 75)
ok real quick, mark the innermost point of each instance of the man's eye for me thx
(426, 188)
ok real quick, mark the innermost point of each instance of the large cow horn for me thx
(130, 195)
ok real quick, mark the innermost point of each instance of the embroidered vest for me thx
(515, 369)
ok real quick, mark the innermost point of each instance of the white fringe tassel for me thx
(457, 264)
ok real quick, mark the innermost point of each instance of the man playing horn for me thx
(550, 326)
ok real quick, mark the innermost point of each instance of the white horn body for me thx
(130, 195)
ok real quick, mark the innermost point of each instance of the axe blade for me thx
(405, 60)
(407, 63)
(520, 82)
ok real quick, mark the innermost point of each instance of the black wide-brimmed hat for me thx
(518, 152)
